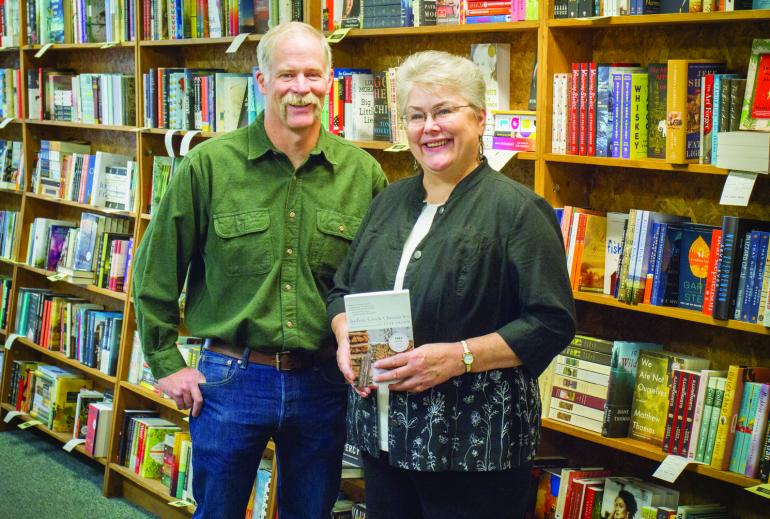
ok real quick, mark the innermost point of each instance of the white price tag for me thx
(184, 149)
(169, 139)
(186, 419)
(237, 42)
(31, 423)
(5, 122)
(179, 503)
(337, 35)
(57, 277)
(70, 445)
(671, 467)
(10, 340)
(399, 146)
(738, 187)
(761, 490)
(499, 158)
(43, 49)
(11, 415)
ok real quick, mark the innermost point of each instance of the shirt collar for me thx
(259, 142)
(466, 184)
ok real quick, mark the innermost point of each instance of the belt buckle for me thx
(278, 364)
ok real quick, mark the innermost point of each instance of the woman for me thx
(624, 506)
(491, 306)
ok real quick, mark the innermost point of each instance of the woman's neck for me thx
(438, 187)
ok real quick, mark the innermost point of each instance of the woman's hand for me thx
(340, 329)
(423, 367)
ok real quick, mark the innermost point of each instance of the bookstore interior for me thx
(653, 149)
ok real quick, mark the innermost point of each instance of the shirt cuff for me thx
(165, 362)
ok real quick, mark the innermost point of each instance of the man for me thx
(260, 217)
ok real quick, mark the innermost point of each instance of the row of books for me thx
(559, 491)
(7, 232)
(669, 400)
(79, 329)
(200, 99)
(162, 171)
(175, 19)
(70, 171)
(46, 392)
(155, 448)
(139, 372)
(11, 165)
(365, 14)
(10, 25)
(584, 8)
(63, 95)
(665, 260)
(79, 21)
(10, 93)
(5, 301)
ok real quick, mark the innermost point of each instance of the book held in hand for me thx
(379, 325)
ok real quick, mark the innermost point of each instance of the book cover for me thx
(656, 114)
(755, 111)
(616, 224)
(650, 404)
(683, 108)
(380, 325)
(693, 265)
(620, 393)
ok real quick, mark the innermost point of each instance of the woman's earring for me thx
(415, 166)
(481, 148)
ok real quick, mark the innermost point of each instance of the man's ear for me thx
(262, 82)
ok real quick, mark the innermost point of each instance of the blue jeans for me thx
(246, 404)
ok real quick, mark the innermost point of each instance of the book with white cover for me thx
(379, 325)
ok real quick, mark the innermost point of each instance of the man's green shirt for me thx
(261, 240)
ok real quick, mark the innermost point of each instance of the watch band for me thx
(467, 354)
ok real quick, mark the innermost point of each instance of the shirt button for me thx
(287, 286)
(341, 228)
(289, 252)
(417, 255)
(292, 214)
(289, 324)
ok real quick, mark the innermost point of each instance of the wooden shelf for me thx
(120, 296)
(60, 357)
(85, 207)
(661, 19)
(196, 41)
(180, 132)
(651, 164)
(673, 312)
(69, 124)
(445, 29)
(151, 485)
(9, 49)
(152, 395)
(146, 216)
(62, 437)
(15, 192)
(645, 450)
(81, 46)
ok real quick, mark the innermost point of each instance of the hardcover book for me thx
(620, 393)
(755, 112)
(379, 325)
(650, 404)
(693, 265)
(683, 108)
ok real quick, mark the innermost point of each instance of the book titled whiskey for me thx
(379, 325)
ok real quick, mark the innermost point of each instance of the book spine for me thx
(750, 241)
(713, 269)
(708, 409)
(728, 259)
(688, 421)
(591, 108)
(676, 103)
(723, 441)
(759, 433)
(591, 356)
(639, 99)
(574, 93)
(579, 398)
(756, 289)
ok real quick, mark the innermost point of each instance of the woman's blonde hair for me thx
(434, 68)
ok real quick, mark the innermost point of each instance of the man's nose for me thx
(301, 83)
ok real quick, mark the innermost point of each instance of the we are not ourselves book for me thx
(379, 325)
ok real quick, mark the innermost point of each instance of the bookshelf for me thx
(604, 183)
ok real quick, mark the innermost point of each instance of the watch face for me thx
(468, 358)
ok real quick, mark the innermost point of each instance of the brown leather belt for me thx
(281, 360)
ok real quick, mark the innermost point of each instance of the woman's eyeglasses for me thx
(442, 114)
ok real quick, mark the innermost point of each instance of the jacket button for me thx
(441, 210)
(417, 255)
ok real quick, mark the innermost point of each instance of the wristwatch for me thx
(467, 357)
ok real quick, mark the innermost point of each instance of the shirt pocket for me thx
(246, 246)
(331, 238)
